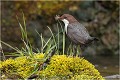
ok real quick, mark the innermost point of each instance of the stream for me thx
(107, 65)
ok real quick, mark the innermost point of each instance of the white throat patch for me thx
(66, 22)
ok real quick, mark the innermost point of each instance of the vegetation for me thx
(60, 67)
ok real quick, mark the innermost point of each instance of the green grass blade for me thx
(58, 38)
(47, 42)
(63, 38)
(52, 36)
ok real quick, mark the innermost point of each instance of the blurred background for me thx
(101, 18)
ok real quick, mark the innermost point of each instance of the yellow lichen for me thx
(22, 66)
(59, 67)
(69, 67)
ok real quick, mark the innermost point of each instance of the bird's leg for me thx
(71, 49)
(79, 51)
(75, 50)
(82, 47)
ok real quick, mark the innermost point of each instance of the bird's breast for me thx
(77, 33)
(66, 22)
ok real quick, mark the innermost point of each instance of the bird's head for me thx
(66, 18)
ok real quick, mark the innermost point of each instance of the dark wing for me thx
(78, 33)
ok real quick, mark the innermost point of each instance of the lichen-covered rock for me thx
(20, 67)
(60, 67)
(70, 68)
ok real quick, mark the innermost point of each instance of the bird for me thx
(75, 31)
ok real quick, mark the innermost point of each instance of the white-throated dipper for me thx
(75, 31)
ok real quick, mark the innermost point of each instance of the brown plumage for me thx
(75, 31)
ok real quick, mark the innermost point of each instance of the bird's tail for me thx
(95, 39)
(89, 42)
(92, 39)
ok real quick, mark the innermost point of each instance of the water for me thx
(107, 66)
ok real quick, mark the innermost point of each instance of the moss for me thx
(20, 67)
(85, 77)
(70, 68)
(60, 67)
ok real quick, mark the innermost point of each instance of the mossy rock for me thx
(60, 67)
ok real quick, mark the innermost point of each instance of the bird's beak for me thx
(57, 17)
